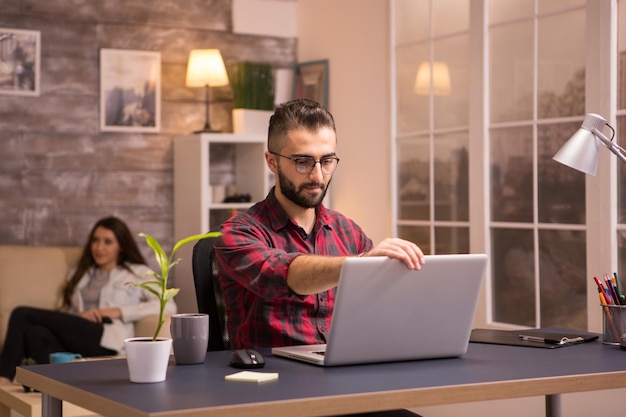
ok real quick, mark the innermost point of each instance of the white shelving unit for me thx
(201, 162)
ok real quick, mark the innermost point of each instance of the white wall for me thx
(354, 36)
(279, 17)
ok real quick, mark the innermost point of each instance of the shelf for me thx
(202, 161)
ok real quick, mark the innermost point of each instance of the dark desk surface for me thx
(486, 372)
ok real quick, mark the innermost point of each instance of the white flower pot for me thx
(147, 360)
(251, 121)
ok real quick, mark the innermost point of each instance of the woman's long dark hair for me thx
(129, 254)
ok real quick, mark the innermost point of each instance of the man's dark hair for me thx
(296, 114)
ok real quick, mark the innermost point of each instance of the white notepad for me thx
(250, 376)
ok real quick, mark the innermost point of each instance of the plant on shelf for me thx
(253, 85)
(253, 96)
(159, 286)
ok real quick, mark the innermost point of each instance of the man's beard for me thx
(300, 196)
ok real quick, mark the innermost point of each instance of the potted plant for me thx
(253, 96)
(147, 357)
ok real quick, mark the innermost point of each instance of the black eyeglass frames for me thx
(306, 164)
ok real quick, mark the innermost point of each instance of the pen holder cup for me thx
(613, 323)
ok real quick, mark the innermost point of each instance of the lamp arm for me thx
(612, 146)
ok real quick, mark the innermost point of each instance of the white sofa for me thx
(34, 275)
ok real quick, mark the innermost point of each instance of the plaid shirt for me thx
(253, 255)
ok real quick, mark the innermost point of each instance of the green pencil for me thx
(620, 296)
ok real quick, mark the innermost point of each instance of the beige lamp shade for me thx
(206, 68)
(440, 79)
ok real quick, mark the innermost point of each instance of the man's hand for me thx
(407, 252)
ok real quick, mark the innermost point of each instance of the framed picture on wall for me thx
(20, 52)
(311, 81)
(130, 91)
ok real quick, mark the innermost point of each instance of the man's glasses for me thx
(306, 164)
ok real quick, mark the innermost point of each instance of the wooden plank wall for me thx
(58, 173)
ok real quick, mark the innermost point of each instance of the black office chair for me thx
(209, 292)
(210, 301)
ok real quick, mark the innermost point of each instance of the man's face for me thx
(305, 190)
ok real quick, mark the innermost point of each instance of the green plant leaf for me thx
(192, 238)
(153, 286)
(159, 253)
(170, 293)
(158, 286)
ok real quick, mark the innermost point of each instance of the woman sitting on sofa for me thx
(98, 307)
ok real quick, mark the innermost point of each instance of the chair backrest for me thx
(209, 292)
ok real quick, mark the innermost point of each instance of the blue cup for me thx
(62, 357)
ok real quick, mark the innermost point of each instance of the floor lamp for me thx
(205, 68)
(581, 150)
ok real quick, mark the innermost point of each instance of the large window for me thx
(537, 100)
(432, 58)
(536, 69)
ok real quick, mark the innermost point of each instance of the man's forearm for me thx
(312, 274)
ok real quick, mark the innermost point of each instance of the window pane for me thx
(420, 235)
(562, 272)
(452, 110)
(621, 169)
(412, 21)
(513, 276)
(451, 240)
(413, 109)
(561, 67)
(500, 10)
(414, 179)
(621, 256)
(511, 75)
(512, 174)
(451, 177)
(621, 79)
(621, 58)
(450, 16)
(561, 190)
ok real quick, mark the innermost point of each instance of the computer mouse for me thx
(246, 359)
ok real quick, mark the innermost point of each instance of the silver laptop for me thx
(385, 312)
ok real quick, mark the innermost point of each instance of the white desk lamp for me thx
(581, 150)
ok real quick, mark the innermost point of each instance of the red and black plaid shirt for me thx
(253, 255)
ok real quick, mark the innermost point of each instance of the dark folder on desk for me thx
(547, 339)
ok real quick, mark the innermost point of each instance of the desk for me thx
(28, 404)
(486, 372)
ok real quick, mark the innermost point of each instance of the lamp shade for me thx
(206, 68)
(581, 150)
(440, 79)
